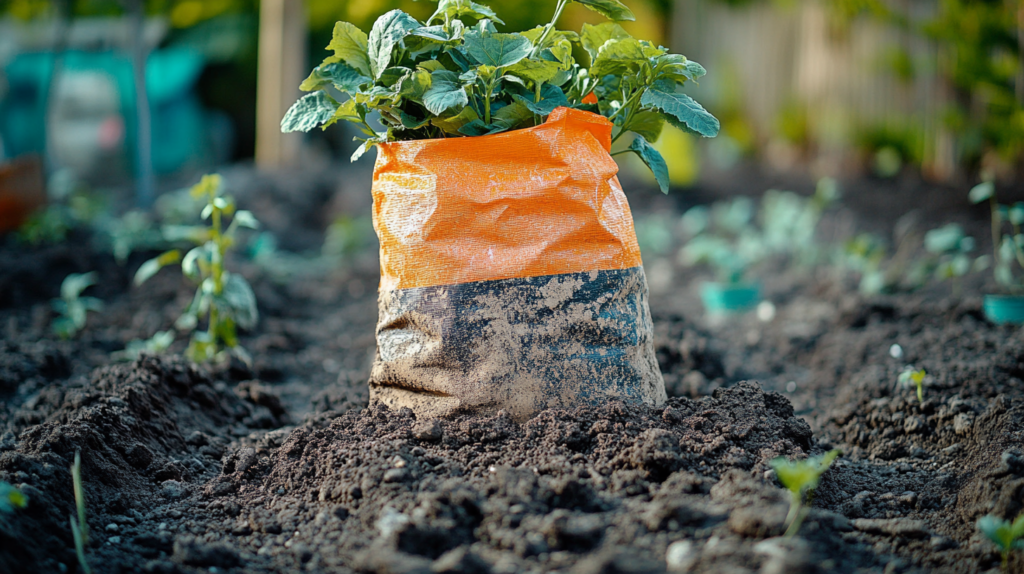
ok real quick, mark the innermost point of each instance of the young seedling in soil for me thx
(447, 78)
(801, 478)
(1007, 247)
(1005, 535)
(911, 376)
(155, 345)
(72, 308)
(79, 528)
(11, 498)
(224, 299)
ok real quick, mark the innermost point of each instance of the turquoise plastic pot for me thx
(724, 298)
(1004, 309)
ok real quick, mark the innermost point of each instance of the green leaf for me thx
(349, 46)
(245, 218)
(683, 108)
(803, 475)
(75, 283)
(388, 31)
(653, 160)
(535, 70)
(594, 37)
(981, 192)
(452, 124)
(309, 112)
(240, 301)
(611, 9)
(623, 57)
(445, 92)
(454, 9)
(415, 84)
(497, 50)
(512, 116)
(11, 498)
(551, 98)
(346, 112)
(393, 75)
(339, 74)
(476, 128)
(1016, 213)
(646, 124)
(943, 239)
(151, 267)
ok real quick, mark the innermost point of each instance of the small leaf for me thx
(653, 160)
(623, 57)
(646, 124)
(339, 74)
(683, 108)
(388, 31)
(151, 267)
(245, 218)
(611, 9)
(415, 84)
(11, 498)
(534, 70)
(551, 98)
(512, 116)
(498, 50)
(309, 112)
(981, 192)
(1016, 213)
(445, 92)
(240, 300)
(350, 46)
(943, 239)
(346, 112)
(594, 37)
(75, 283)
(452, 124)
(454, 9)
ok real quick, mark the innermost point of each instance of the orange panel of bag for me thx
(526, 203)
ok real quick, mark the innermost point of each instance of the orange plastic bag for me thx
(510, 274)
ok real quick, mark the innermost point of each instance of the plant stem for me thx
(997, 227)
(920, 392)
(795, 517)
(551, 25)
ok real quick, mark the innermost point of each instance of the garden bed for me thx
(280, 467)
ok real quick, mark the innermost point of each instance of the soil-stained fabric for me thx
(522, 345)
(510, 274)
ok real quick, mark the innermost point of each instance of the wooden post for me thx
(282, 66)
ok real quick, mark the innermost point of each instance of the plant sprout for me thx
(11, 498)
(801, 478)
(157, 344)
(225, 299)
(79, 528)
(911, 376)
(1005, 535)
(1007, 247)
(71, 307)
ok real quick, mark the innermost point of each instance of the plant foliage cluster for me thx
(455, 75)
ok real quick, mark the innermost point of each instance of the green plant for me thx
(71, 307)
(157, 344)
(1007, 239)
(11, 498)
(801, 478)
(223, 298)
(723, 238)
(790, 221)
(444, 78)
(913, 377)
(79, 527)
(1005, 535)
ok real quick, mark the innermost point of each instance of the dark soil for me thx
(282, 467)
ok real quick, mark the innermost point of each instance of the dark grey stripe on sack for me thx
(517, 344)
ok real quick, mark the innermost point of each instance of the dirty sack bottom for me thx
(519, 345)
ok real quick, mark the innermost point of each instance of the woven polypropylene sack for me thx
(510, 274)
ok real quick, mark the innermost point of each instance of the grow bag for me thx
(510, 274)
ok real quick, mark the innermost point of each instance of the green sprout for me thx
(224, 299)
(912, 376)
(11, 498)
(155, 345)
(71, 307)
(1007, 247)
(801, 478)
(1005, 535)
(79, 529)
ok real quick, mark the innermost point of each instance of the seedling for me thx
(446, 78)
(11, 498)
(801, 479)
(224, 299)
(157, 344)
(1007, 239)
(1005, 535)
(723, 238)
(913, 377)
(79, 528)
(72, 308)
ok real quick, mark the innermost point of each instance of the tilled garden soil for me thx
(282, 467)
